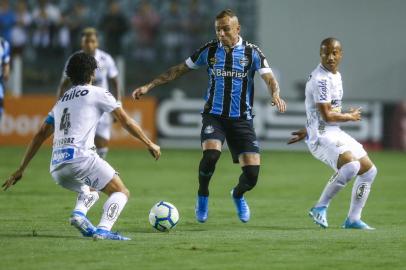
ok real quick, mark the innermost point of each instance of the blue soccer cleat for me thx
(319, 216)
(243, 210)
(80, 222)
(101, 234)
(202, 208)
(357, 224)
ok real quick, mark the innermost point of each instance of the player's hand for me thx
(355, 113)
(140, 91)
(12, 180)
(297, 136)
(155, 150)
(280, 103)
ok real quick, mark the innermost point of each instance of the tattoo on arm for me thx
(171, 74)
(272, 84)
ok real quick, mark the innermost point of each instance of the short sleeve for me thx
(107, 101)
(50, 118)
(260, 63)
(322, 93)
(198, 58)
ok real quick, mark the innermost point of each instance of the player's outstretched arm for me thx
(329, 115)
(45, 131)
(170, 75)
(297, 136)
(135, 130)
(274, 90)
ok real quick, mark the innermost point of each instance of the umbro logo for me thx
(209, 129)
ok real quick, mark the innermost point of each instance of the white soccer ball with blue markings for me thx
(163, 216)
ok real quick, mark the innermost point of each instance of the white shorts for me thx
(91, 171)
(103, 128)
(333, 143)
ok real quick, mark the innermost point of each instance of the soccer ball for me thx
(163, 216)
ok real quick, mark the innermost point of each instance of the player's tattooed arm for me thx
(44, 133)
(274, 90)
(170, 75)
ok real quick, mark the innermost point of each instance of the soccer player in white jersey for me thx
(74, 163)
(106, 73)
(328, 143)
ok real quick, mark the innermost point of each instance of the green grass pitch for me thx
(35, 233)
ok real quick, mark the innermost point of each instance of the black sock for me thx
(248, 180)
(206, 169)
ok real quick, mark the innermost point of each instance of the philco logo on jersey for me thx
(228, 73)
(74, 94)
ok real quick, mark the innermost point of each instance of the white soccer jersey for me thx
(106, 69)
(75, 117)
(322, 86)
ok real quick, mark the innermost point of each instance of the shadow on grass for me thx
(40, 235)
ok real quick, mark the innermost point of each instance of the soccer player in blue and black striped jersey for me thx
(4, 69)
(227, 115)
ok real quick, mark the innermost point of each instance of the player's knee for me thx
(350, 169)
(251, 173)
(369, 176)
(126, 192)
(210, 157)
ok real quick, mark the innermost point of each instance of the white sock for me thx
(360, 193)
(102, 152)
(112, 209)
(337, 182)
(85, 200)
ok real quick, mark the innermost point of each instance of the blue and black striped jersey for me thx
(230, 92)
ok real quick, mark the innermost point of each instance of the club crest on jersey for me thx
(244, 61)
(339, 144)
(212, 61)
(209, 129)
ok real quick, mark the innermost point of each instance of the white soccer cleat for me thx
(319, 216)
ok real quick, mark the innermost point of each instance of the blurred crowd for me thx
(141, 31)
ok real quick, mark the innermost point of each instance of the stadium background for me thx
(147, 37)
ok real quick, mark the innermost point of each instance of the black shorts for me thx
(239, 133)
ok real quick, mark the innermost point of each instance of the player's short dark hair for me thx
(226, 13)
(89, 31)
(328, 41)
(81, 67)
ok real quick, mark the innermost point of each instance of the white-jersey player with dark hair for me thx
(74, 164)
(105, 74)
(331, 145)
